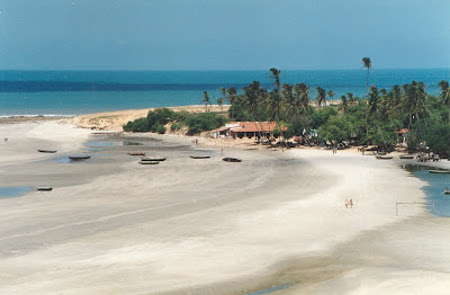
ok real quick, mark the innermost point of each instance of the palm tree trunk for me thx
(367, 79)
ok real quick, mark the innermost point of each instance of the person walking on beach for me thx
(346, 203)
(351, 203)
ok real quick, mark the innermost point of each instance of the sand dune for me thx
(115, 120)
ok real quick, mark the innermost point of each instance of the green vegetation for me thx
(374, 119)
(155, 121)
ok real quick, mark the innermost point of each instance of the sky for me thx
(223, 34)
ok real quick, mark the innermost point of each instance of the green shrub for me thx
(160, 129)
(176, 126)
(205, 122)
(138, 125)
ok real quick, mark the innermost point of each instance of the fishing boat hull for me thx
(79, 158)
(44, 188)
(153, 159)
(385, 157)
(440, 171)
(406, 157)
(234, 160)
(136, 153)
(200, 157)
(47, 151)
(148, 163)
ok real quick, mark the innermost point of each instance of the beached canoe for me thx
(136, 153)
(200, 157)
(149, 162)
(229, 159)
(385, 157)
(79, 158)
(440, 171)
(44, 188)
(407, 157)
(47, 151)
(153, 159)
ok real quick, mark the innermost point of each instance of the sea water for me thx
(437, 202)
(81, 92)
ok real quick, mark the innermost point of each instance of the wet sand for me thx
(112, 226)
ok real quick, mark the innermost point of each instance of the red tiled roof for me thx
(255, 127)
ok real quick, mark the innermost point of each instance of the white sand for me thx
(210, 227)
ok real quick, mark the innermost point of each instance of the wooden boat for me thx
(447, 192)
(47, 151)
(149, 162)
(381, 153)
(200, 156)
(229, 159)
(136, 153)
(385, 157)
(79, 158)
(44, 188)
(406, 157)
(152, 159)
(440, 171)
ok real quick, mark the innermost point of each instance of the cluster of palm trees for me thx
(290, 105)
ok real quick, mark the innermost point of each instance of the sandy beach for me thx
(112, 226)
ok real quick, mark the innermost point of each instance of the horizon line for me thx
(213, 70)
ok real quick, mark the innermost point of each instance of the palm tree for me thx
(302, 91)
(220, 102)
(414, 101)
(232, 98)
(321, 96)
(276, 76)
(351, 98)
(206, 99)
(367, 64)
(372, 106)
(445, 95)
(374, 96)
(330, 94)
(275, 99)
(344, 104)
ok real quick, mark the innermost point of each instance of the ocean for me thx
(80, 92)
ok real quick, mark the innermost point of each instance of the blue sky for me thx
(223, 35)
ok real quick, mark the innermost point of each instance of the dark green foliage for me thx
(155, 121)
(176, 126)
(159, 128)
(437, 137)
(138, 125)
(336, 129)
(204, 122)
(161, 116)
(320, 116)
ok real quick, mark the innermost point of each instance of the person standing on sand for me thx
(346, 203)
(351, 203)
